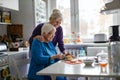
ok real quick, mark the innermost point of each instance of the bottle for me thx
(114, 49)
(78, 39)
(82, 52)
(73, 37)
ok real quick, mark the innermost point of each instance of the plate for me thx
(74, 62)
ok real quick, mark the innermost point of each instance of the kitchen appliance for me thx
(114, 33)
(100, 38)
(114, 49)
(4, 68)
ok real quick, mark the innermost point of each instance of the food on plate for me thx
(73, 61)
(79, 60)
(69, 57)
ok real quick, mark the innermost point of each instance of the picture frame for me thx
(6, 16)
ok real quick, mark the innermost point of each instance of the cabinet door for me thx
(15, 29)
(11, 4)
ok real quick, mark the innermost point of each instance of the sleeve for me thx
(37, 53)
(60, 39)
(36, 31)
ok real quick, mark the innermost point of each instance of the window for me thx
(91, 21)
(64, 7)
(82, 19)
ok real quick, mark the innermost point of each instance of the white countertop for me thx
(21, 50)
(63, 69)
(87, 44)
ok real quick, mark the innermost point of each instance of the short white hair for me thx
(47, 28)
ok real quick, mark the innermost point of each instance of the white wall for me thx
(116, 18)
(116, 21)
(3, 30)
(24, 16)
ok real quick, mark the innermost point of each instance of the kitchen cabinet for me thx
(19, 63)
(10, 4)
(15, 29)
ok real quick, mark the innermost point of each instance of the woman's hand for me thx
(58, 56)
(64, 52)
(39, 37)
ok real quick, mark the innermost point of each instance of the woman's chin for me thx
(50, 40)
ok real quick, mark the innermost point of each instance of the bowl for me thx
(88, 62)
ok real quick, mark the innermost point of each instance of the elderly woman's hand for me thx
(58, 56)
(39, 37)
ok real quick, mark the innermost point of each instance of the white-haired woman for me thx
(55, 20)
(43, 53)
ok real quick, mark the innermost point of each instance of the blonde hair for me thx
(47, 28)
(56, 11)
(56, 14)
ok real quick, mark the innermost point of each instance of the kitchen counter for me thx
(19, 62)
(21, 56)
(20, 50)
(87, 44)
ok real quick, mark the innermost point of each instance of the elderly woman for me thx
(55, 20)
(43, 53)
